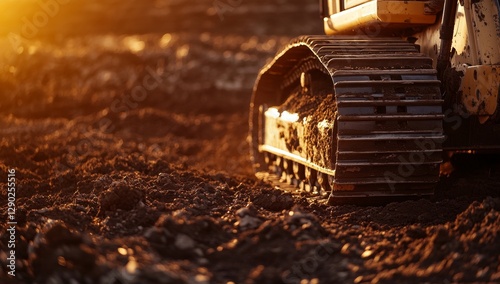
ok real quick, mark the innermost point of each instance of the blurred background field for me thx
(91, 52)
(80, 17)
(126, 122)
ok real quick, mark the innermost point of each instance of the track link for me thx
(388, 124)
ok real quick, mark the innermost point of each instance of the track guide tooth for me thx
(379, 62)
(389, 137)
(421, 73)
(401, 102)
(390, 117)
(381, 181)
(396, 83)
(388, 163)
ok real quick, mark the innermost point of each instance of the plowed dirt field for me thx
(126, 125)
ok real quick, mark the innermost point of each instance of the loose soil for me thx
(128, 137)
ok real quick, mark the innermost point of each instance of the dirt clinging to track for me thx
(123, 186)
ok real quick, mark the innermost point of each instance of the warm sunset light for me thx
(233, 141)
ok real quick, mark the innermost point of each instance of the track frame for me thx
(388, 122)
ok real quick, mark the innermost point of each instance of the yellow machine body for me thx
(476, 40)
(378, 15)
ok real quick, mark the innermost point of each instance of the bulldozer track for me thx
(388, 119)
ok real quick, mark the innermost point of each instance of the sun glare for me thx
(28, 17)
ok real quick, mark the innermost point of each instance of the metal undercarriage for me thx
(381, 134)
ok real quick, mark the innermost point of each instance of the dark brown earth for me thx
(126, 123)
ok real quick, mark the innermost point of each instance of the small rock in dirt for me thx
(248, 222)
(346, 248)
(247, 218)
(182, 237)
(249, 210)
(184, 242)
(367, 253)
(163, 179)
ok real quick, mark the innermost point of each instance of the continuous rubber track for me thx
(388, 124)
